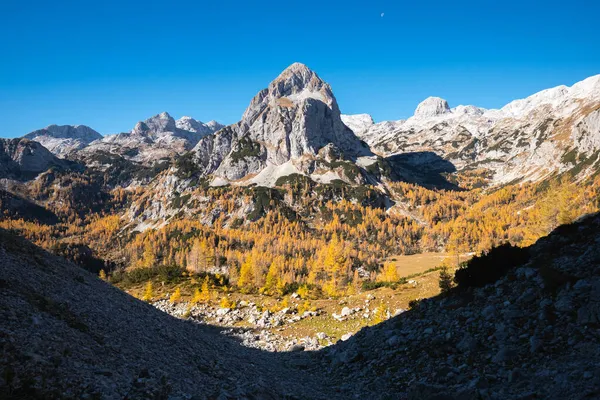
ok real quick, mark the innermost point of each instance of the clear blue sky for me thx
(108, 64)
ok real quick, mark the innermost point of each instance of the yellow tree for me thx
(389, 273)
(272, 278)
(148, 258)
(335, 263)
(246, 279)
(176, 296)
(148, 292)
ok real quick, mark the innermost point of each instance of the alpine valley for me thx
(296, 228)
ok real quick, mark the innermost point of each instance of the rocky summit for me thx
(293, 126)
(526, 140)
(64, 139)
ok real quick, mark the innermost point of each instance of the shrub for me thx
(148, 292)
(226, 303)
(176, 296)
(414, 303)
(488, 268)
(305, 306)
(445, 280)
(303, 292)
(381, 313)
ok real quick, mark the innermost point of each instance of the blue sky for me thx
(108, 64)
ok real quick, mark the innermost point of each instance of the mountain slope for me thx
(24, 159)
(158, 137)
(552, 131)
(65, 139)
(293, 126)
(64, 333)
(533, 333)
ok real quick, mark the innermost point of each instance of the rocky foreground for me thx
(535, 333)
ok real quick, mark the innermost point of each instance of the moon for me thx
(382, 14)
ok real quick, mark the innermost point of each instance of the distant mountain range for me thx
(294, 127)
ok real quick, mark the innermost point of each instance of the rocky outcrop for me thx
(24, 159)
(358, 123)
(156, 138)
(287, 123)
(432, 107)
(62, 140)
(553, 131)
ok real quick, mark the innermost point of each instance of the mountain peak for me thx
(162, 122)
(297, 68)
(81, 132)
(295, 79)
(432, 107)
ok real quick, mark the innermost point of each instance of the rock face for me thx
(359, 123)
(62, 140)
(24, 159)
(190, 124)
(432, 107)
(555, 130)
(294, 122)
(156, 138)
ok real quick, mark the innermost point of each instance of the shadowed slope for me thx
(65, 334)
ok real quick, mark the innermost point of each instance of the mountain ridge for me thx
(294, 126)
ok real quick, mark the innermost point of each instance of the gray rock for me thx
(467, 344)
(504, 355)
(297, 347)
(488, 311)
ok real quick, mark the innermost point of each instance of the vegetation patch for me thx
(488, 268)
(245, 147)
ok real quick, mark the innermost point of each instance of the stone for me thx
(488, 311)
(504, 355)
(393, 341)
(346, 336)
(467, 344)
(297, 347)
(346, 311)
(535, 344)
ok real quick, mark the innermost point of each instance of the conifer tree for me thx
(148, 292)
(176, 296)
(246, 279)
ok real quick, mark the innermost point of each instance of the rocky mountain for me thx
(156, 138)
(62, 140)
(192, 125)
(292, 127)
(553, 131)
(24, 159)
